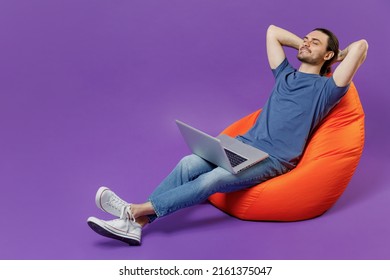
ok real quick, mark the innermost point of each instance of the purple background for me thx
(87, 86)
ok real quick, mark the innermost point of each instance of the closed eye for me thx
(314, 41)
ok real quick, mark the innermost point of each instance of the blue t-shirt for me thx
(298, 103)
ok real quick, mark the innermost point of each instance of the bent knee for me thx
(195, 164)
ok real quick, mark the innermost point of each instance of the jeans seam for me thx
(242, 182)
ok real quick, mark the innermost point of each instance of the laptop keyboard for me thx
(234, 158)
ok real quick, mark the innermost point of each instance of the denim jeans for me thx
(193, 180)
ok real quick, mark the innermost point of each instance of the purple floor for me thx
(89, 91)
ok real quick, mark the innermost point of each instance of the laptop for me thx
(223, 151)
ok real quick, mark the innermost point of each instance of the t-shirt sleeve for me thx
(281, 68)
(334, 92)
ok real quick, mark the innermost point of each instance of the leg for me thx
(168, 198)
(188, 169)
(216, 180)
(133, 217)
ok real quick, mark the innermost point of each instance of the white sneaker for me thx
(109, 202)
(126, 230)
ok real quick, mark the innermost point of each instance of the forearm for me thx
(358, 48)
(277, 38)
(351, 59)
(283, 37)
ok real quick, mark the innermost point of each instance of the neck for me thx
(310, 68)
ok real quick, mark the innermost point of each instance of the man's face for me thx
(313, 49)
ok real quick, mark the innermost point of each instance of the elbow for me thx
(271, 28)
(272, 32)
(360, 48)
(362, 45)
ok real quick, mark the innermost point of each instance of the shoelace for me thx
(116, 203)
(126, 214)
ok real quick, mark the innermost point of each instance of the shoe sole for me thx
(105, 231)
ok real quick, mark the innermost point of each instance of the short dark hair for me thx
(333, 45)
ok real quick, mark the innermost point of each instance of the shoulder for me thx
(331, 83)
(331, 91)
(284, 67)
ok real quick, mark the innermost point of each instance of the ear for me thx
(329, 55)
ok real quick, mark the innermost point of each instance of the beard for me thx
(309, 59)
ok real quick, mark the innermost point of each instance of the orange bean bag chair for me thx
(327, 165)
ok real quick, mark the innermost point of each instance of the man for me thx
(299, 101)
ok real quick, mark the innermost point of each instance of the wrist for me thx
(342, 54)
